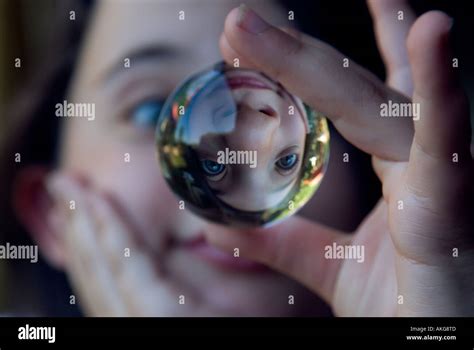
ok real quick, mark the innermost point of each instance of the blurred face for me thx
(255, 166)
(161, 51)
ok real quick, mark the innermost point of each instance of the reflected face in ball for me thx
(239, 149)
(254, 166)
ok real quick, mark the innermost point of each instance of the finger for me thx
(307, 39)
(86, 264)
(351, 97)
(392, 22)
(230, 55)
(295, 247)
(444, 126)
(138, 272)
(134, 270)
(440, 168)
(389, 173)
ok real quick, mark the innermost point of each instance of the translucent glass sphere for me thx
(239, 149)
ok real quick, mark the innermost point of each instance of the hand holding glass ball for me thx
(239, 149)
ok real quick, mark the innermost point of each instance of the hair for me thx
(34, 137)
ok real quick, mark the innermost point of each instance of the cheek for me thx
(293, 126)
(137, 186)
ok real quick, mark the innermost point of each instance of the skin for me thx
(270, 136)
(409, 251)
(123, 206)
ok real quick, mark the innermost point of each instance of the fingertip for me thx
(378, 7)
(227, 52)
(249, 20)
(430, 55)
(428, 31)
(252, 39)
(437, 90)
(230, 23)
(231, 39)
(251, 241)
(230, 55)
(219, 236)
(243, 23)
(223, 46)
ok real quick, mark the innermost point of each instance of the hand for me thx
(418, 240)
(111, 272)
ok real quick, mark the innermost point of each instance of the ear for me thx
(36, 210)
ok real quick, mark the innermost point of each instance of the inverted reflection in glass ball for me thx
(239, 149)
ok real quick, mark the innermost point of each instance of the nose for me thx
(269, 111)
(255, 127)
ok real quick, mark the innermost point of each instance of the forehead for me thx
(122, 26)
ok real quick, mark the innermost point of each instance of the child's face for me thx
(162, 51)
(254, 167)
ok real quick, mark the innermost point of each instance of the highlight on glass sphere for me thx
(239, 149)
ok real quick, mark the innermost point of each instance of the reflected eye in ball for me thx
(287, 163)
(213, 170)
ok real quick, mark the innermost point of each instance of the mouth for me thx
(239, 80)
(200, 248)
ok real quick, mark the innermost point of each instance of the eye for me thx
(213, 170)
(286, 163)
(145, 114)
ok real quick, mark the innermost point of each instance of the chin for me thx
(240, 292)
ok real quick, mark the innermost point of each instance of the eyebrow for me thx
(144, 54)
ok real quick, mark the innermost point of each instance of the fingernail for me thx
(250, 21)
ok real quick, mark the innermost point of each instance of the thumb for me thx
(294, 247)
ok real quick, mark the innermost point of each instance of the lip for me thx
(247, 81)
(203, 250)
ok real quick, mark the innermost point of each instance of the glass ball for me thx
(239, 149)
